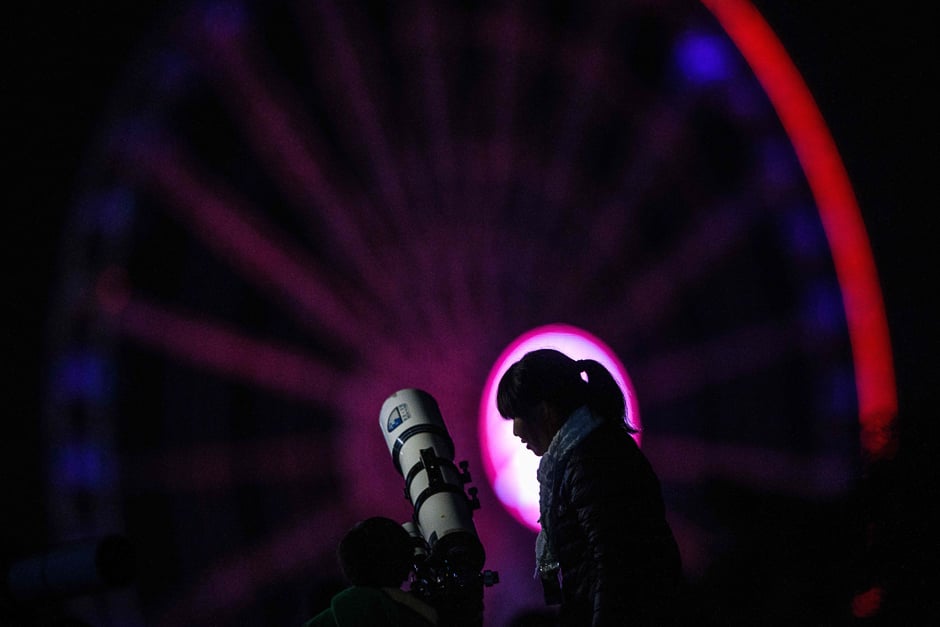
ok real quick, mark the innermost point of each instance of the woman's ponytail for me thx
(604, 396)
(549, 376)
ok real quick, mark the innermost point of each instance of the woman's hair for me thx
(549, 376)
(376, 552)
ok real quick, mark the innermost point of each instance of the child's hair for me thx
(376, 552)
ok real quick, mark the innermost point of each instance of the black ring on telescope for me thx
(419, 466)
(422, 428)
(429, 492)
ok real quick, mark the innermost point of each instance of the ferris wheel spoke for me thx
(683, 372)
(500, 40)
(272, 119)
(355, 106)
(357, 114)
(612, 231)
(228, 227)
(652, 296)
(812, 475)
(363, 123)
(223, 466)
(505, 39)
(511, 176)
(585, 68)
(612, 235)
(423, 33)
(234, 582)
(210, 345)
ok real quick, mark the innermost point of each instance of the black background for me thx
(869, 65)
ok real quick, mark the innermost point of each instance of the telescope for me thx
(449, 556)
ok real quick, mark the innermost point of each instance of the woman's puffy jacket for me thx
(619, 561)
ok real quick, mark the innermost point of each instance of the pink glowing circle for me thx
(511, 467)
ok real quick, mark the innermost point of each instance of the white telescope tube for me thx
(423, 453)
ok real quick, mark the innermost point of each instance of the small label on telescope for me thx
(397, 416)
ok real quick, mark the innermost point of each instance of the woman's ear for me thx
(551, 418)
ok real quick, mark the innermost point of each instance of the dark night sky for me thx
(866, 63)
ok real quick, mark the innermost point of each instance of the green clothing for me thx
(368, 607)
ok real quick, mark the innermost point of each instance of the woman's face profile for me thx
(534, 433)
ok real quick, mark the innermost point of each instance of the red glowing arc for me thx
(839, 212)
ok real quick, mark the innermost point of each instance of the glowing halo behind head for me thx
(511, 467)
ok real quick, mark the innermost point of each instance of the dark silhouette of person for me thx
(376, 557)
(603, 520)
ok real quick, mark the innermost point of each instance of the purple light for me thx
(822, 309)
(839, 397)
(703, 58)
(172, 72)
(83, 465)
(509, 466)
(224, 21)
(114, 211)
(82, 375)
(804, 235)
(778, 169)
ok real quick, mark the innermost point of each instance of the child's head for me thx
(376, 552)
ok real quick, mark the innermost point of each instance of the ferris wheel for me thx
(298, 208)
